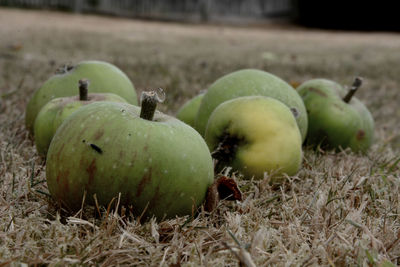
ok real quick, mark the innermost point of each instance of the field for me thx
(341, 209)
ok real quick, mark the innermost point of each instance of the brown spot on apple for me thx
(60, 152)
(318, 92)
(156, 198)
(62, 181)
(146, 179)
(66, 184)
(339, 107)
(62, 175)
(98, 134)
(91, 170)
(360, 135)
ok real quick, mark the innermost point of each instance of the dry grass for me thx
(341, 209)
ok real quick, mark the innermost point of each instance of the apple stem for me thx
(356, 84)
(83, 89)
(149, 101)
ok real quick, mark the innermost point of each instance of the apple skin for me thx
(334, 123)
(162, 166)
(104, 77)
(249, 82)
(188, 112)
(264, 133)
(56, 111)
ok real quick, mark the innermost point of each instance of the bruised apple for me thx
(254, 135)
(159, 165)
(337, 119)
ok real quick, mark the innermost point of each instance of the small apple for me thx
(160, 165)
(187, 113)
(104, 77)
(255, 134)
(249, 82)
(57, 110)
(336, 118)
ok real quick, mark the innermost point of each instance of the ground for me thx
(341, 209)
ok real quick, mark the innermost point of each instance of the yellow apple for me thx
(254, 135)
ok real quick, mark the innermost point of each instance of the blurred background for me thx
(352, 15)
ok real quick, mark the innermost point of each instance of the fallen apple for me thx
(57, 110)
(336, 118)
(104, 77)
(187, 113)
(246, 83)
(254, 135)
(160, 165)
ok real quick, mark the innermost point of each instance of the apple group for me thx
(100, 145)
(248, 120)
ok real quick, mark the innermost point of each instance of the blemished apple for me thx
(104, 77)
(160, 165)
(254, 135)
(57, 110)
(187, 113)
(249, 82)
(336, 118)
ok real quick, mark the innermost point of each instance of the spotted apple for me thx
(337, 119)
(161, 166)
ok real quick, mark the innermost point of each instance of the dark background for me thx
(333, 14)
(348, 15)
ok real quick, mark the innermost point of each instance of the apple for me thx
(254, 135)
(160, 165)
(336, 118)
(57, 110)
(187, 113)
(104, 77)
(249, 82)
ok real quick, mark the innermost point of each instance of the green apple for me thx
(57, 110)
(246, 83)
(336, 118)
(187, 113)
(160, 165)
(104, 77)
(254, 135)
